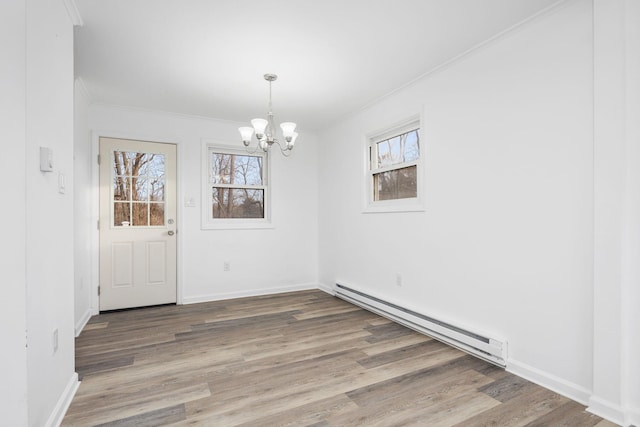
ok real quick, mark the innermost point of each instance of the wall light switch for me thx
(55, 340)
(46, 159)
(61, 183)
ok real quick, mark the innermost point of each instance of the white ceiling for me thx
(207, 57)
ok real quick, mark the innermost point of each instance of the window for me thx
(394, 169)
(138, 189)
(236, 192)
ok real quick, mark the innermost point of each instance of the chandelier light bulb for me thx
(292, 141)
(288, 129)
(259, 125)
(246, 132)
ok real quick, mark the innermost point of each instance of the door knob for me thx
(171, 233)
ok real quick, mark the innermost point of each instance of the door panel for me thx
(122, 264)
(137, 223)
(156, 263)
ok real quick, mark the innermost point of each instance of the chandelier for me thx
(266, 131)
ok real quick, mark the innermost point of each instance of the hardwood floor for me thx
(296, 359)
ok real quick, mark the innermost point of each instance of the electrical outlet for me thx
(55, 340)
(227, 266)
(398, 279)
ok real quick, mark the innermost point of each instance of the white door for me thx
(137, 223)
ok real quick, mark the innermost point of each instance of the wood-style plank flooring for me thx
(295, 359)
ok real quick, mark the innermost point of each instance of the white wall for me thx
(505, 244)
(631, 297)
(13, 316)
(616, 384)
(262, 261)
(84, 224)
(49, 214)
(36, 110)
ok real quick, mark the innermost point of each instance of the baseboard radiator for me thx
(489, 349)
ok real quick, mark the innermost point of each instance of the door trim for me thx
(95, 208)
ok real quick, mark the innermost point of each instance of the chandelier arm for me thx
(285, 151)
(247, 148)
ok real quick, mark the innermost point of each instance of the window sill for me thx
(393, 206)
(238, 225)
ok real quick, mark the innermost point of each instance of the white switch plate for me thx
(46, 159)
(61, 183)
(55, 340)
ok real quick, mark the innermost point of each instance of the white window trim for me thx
(209, 223)
(414, 204)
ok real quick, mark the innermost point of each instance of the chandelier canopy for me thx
(265, 130)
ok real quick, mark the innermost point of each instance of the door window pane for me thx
(121, 188)
(156, 189)
(140, 214)
(139, 186)
(156, 214)
(121, 214)
(128, 163)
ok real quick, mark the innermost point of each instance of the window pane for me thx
(237, 203)
(126, 163)
(236, 169)
(121, 214)
(147, 188)
(121, 188)
(140, 214)
(156, 214)
(139, 186)
(153, 167)
(395, 184)
(156, 189)
(399, 149)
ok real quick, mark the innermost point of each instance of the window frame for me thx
(207, 220)
(411, 204)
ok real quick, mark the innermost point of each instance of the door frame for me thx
(95, 208)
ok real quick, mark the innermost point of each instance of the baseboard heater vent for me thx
(489, 349)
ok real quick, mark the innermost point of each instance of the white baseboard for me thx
(249, 293)
(607, 410)
(328, 289)
(559, 385)
(600, 407)
(633, 417)
(55, 419)
(82, 322)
